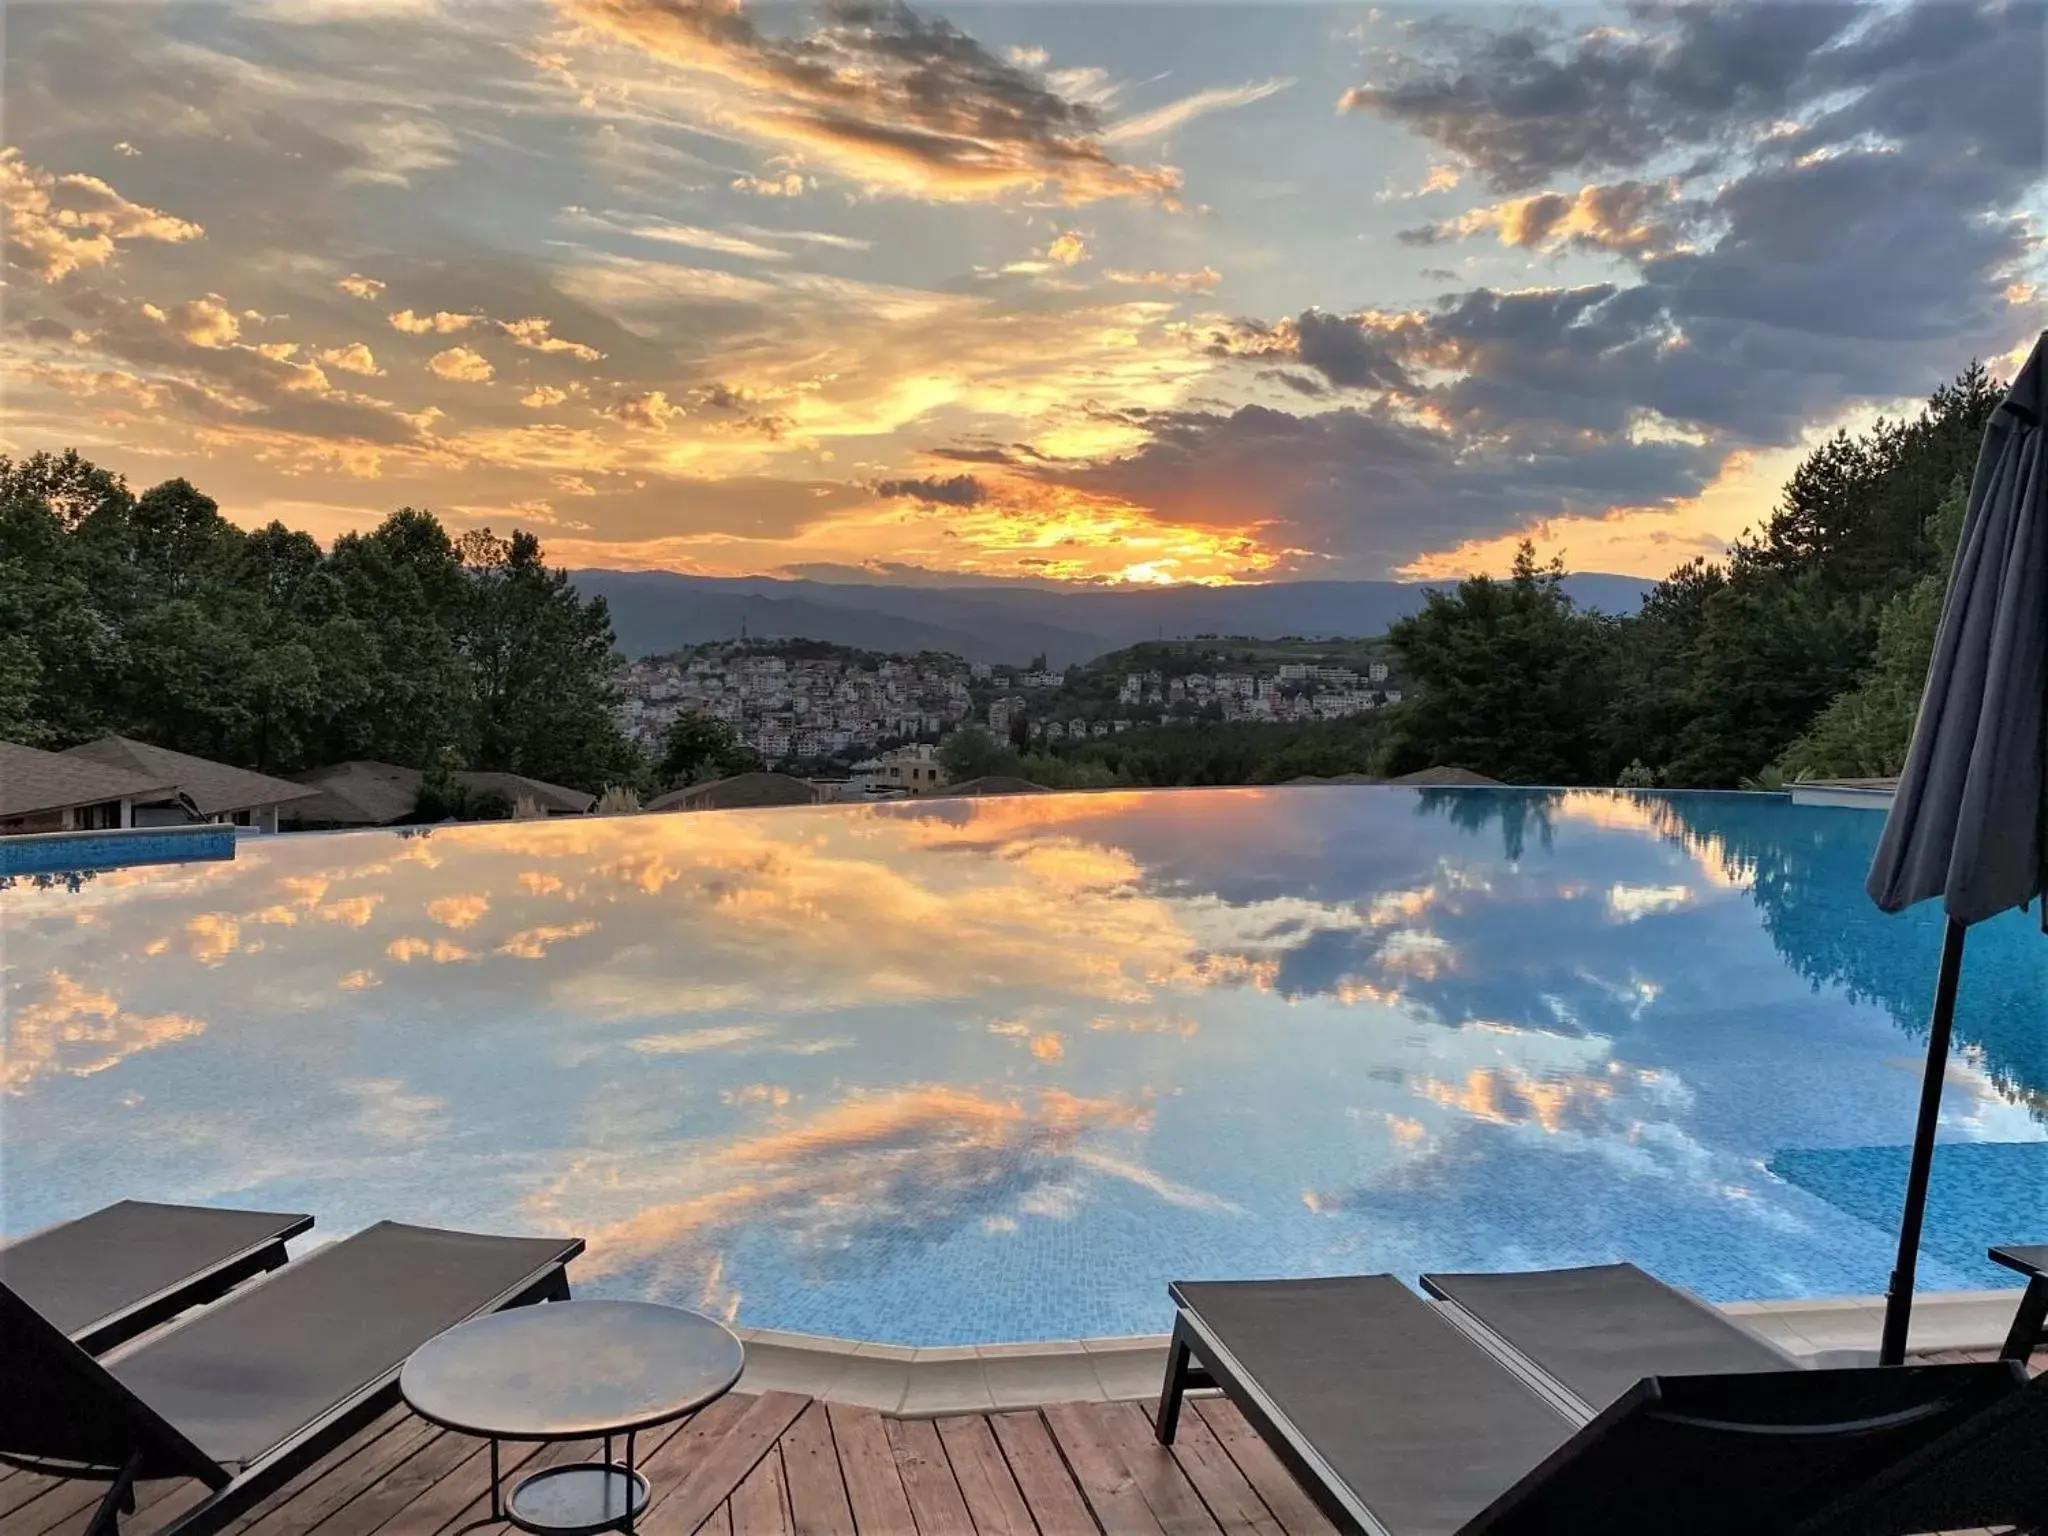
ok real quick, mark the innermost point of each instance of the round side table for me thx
(572, 1370)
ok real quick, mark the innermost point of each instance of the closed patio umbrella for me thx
(1966, 823)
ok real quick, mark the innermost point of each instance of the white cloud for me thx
(1161, 121)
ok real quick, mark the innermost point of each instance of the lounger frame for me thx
(200, 1286)
(161, 1450)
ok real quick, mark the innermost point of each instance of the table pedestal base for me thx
(579, 1499)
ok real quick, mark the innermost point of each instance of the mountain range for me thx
(658, 611)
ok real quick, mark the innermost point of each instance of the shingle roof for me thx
(1443, 776)
(31, 780)
(994, 784)
(358, 794)
(554, 798)
(213, 787)
(371, 794)
(740, 791)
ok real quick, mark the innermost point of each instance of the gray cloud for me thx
(1374, 488)
(1861, 250)
(959, 491)
(1523, 103)
(1349, 351)
(890, 96)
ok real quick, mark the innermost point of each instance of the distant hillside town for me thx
(811, 702)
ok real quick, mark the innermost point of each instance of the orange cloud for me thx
(534, 943)
(357, 286)
(353, 358)
(214, 935)
(533, 334)
(891, 101)
(440, 322)
(459, 911)
(58, 225)
(77, 1031)
(463, 365)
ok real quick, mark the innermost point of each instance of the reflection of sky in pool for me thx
(998, 1069)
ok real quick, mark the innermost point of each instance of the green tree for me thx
(1797, 620)
(1508, 680)
(541, 665)
(70, 485)
(1864, 733)
(697, 747)
(971, 753)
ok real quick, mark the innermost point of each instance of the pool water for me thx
(989, 1070)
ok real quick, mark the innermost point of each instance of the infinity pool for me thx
(974, 1071)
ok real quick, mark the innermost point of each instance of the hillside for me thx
(657, 611)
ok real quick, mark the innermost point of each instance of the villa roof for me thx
(1443, 776)
(33, 780)
(741, 791)
(358, 794)
(556, 799)
(994, 784)
(213, 788)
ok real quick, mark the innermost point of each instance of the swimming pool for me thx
(990, 1070)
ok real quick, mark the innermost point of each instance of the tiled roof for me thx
(31, 780)
(214, 788)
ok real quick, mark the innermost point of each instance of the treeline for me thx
(152, 616)
(1802, 654)
(1191, 753)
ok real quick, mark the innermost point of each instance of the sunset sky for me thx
(1138, 292)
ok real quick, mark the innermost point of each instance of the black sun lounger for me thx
(264, 1382)
(1586, 1336)
(1400, 1424)
(107, 1277)
(1990, 1472)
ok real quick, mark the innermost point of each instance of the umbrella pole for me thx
(1898, 1304)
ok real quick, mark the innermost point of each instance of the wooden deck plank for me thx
(993, 1502)
(1105, 1481)
(291, 1513)
(23, 1488)
(928, 1481)
(724, 1465)
(667, 1463)
(1159, 1477)
(1232, 1501)
(1297, 1513)
(464, 1499)
(1048, 1487)
(720, 1523)
(760, 1505)
(874, 1488)
(810, 1465)
(450, 1458)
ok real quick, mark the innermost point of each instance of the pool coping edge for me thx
(912, 1382)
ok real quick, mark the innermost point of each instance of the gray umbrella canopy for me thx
(1966, 822)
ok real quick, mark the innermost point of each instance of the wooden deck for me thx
(781, 1464)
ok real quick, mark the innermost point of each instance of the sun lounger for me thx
(107, 1277)
(2030, 1319)
(1989, 1472)
(1400, 1424)
(259, 1385)
(1585, 1336)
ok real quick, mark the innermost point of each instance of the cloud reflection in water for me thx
(999, 1068)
